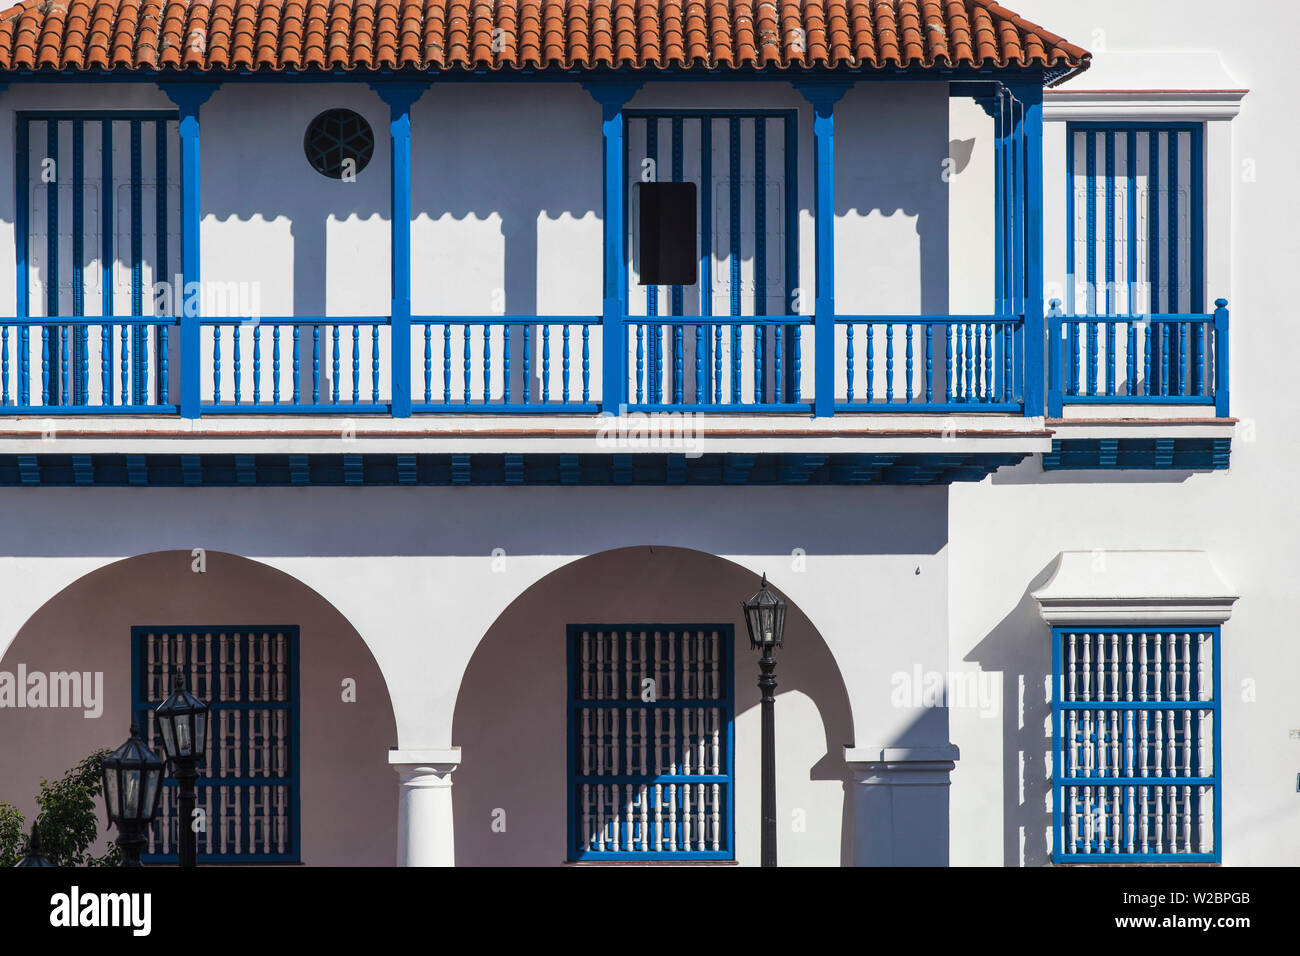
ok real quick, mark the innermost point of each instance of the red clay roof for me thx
(505, 34)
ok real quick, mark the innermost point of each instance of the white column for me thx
(425, 829)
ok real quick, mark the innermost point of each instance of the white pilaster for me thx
(900, 804)
(425, 828)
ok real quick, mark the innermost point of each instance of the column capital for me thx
(424, 763)
(189, 96)
(823, 94)
(1026, 89)
(612, 94)
(400, 95)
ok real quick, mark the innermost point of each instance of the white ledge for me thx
(1134, 588)
(943, 754)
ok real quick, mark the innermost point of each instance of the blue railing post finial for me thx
(823, 95)
(400, 97)
(1054, 398)
(189, 97)
(612, 95)
(1221, 358)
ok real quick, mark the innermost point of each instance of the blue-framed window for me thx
(1135, 227)
(692, 344)
(248, 788)
(1136, 733)
(98, 235)
(650, 765)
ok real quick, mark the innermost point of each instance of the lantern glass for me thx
(184, 745)
(150, 805)
(169, 738)
(131, 794)
(111, 796)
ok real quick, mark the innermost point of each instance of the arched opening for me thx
(339, 721)
(512, 790)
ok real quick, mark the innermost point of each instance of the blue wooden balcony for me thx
(1019, 359)
(522, 364)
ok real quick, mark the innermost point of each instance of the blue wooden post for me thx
(1220, 363)
(823, 96)
(400, 97)
(1054, 399)
(1029, 270)
(612, 95)
(188, 97)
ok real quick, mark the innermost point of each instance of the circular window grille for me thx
(339, 143)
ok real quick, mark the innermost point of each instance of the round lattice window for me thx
(339, 143)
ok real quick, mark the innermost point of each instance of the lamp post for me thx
(765, 621)
(33, 856)
(132, 786)
(183, 721)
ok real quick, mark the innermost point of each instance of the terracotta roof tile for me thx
(267, 35)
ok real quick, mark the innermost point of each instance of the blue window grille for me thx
(248, 789)
(98, 233)
(1136, 732)
(650, 742)
(1136, 326)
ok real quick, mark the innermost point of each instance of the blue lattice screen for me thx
(1136, 744)
(248, 788)
(650, 742)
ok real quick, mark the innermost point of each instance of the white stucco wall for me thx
(1006, 531)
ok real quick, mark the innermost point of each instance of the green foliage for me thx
(67, 821)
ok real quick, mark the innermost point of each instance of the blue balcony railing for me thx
(1157, 359)
(528, 364)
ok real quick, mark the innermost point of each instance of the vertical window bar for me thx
(79, 332)
(1176, 353)
(50, 390)
(139, 333)
(1155, 304)
(107, 255)
(22, 228)
(714, 393)
(1130, 258)
(1111, 305)
(733, 254)
(1091, 194)
(162, 272)
(652, 291)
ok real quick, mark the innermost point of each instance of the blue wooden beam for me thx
(823, 96)
(400, 97)
(189, 97)
(612, 95)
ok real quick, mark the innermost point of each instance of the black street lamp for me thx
(132, 786)
(183, 721)
(765, 620)
(33, 856)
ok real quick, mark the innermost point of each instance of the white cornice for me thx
(1135, 588)
(1142, 105)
